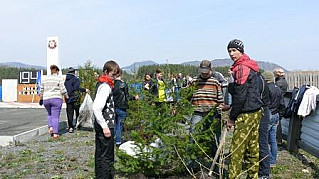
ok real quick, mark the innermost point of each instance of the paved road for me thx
(14, 121)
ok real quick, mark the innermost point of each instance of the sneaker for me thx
(71, 130)
(263, 177)
(272, 165)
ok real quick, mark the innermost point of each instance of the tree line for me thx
(88, 70)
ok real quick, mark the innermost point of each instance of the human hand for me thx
(224, 107)
(137, 97)
(87, 91)
(107, 132)
(230, 124)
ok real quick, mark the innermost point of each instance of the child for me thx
(103, 108)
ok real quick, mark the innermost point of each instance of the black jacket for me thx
(246, 98)
(72, 85)
(264, 91)
(282, 83)
(277, 104)
(121, 95)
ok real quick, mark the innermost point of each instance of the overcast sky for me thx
(284, 32)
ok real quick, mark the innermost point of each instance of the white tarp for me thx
(132, 149)
(9, 90)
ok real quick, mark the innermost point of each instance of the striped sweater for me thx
(53, 87)
(207, 94)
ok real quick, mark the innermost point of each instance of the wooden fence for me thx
(299, 78)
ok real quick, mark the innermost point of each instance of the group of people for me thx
(255, 104)
(109, 108)
(53, 88)
(166, 90)
(255, 107)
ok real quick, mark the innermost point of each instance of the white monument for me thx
(53, 53)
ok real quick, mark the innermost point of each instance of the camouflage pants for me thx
(245, 145)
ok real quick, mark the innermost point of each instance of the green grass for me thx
(51, 158)
(59, 152)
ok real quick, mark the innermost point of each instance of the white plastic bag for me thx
(86, 116)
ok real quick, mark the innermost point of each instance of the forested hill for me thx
(216, 63)
(227, 62)
(21, 65)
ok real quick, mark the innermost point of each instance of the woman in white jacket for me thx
(52, 90)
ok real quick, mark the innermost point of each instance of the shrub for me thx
(148, 123)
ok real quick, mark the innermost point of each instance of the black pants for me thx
(70, 108)
(104, 154)
(264, 165)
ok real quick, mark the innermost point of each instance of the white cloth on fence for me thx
(308, 102)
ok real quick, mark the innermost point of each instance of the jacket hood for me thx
(245, 60)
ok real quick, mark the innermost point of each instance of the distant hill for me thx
(222, 62)
(269, 66)
(194, 63)
(21, 65)
(228, 62)
(136, 65)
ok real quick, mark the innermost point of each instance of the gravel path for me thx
(72, 156)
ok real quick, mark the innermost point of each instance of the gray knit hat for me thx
(237, 44)
(269, 76)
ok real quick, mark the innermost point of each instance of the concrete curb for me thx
(23, 105)
(28, 135)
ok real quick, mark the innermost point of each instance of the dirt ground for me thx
(73, 157)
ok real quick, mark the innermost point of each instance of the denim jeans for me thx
(196, 118)
(272, 128)
(177, 93)
(120, 115)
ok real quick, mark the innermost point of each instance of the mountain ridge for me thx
(216, 63)
(21, 65)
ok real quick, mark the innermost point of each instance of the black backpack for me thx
(289, 108)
